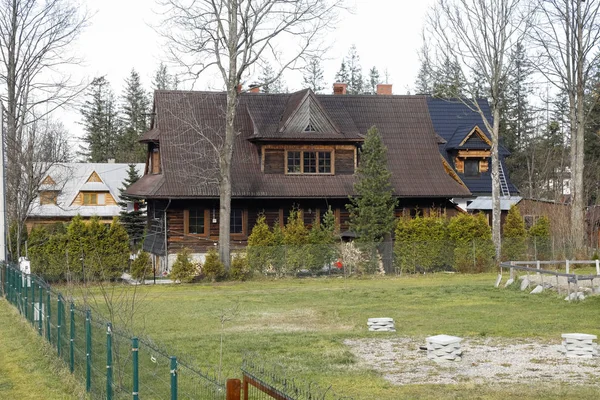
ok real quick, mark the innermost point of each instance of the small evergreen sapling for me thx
(213, 268)
(540, 236)
(183, 269)
(141, 267)
(295, 238)
(260, 244)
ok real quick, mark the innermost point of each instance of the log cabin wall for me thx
(276, 211)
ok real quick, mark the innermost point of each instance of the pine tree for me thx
(133, 211)
(514, 244)
(163, 80)
(313, 75)
(374, 80)
(268, 81)
(372, 208)
(100, 122)
(134, 112)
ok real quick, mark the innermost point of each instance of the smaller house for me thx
(87, 189)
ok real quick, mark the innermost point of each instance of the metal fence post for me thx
(48, 313)
(59, 325)
(25, 297)
(40, 306)
(72, 339)
(135, 347)
(109, 374)
(32, 318)
(173, 378)
(88, 351)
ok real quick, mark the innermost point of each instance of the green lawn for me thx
(302, 324)
(29, 369)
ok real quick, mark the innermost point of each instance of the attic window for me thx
(310, 128)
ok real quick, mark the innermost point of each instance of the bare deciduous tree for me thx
(34, 40)
(477, 36)
(567, 33)
(234, 37)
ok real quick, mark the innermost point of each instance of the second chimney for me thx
(384, 88)
(339, 88)
(254, 89)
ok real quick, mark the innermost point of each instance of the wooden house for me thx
(292, 150)
(87, 189)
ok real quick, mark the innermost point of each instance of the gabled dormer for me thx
(470, 149)
(304, 115)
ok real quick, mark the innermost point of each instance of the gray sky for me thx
(120, 37)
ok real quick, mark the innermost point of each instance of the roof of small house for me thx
(72, 178)
(190, 121)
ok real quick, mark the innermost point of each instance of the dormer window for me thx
(310, 128)
(472, 167)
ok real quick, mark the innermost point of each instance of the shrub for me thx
(260, 244)
(540, 236)
(473, 246)
(239, 270)
(141, 266)
(514, 242)
(322, 250)
(277, 251)
(422, 243)
(213, 267)
(295, 238)
(184, 269)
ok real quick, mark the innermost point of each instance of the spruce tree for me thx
(342, 75)
(372, 208)
(448, 82)
(374, 80)
(100, 122)
(133, 211)
(268, 81)
(425, 78)
(313, 75)
(163, 80)
(134, 112)
(355, 77)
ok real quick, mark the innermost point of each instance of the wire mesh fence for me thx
(113, 364)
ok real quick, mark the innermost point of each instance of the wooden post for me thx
(597, 267)
(234, 389)
(567, 266)
(245, 388)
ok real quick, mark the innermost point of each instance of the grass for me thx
(303, 323)
(29, 368)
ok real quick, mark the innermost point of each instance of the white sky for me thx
(120, 37)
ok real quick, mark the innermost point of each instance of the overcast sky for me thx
(120, 37)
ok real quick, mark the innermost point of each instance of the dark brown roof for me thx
(151, 136)
(190, 121)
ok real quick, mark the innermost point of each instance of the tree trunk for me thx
(496, 212)
(226, 153)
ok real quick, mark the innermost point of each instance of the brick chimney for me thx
(339, 88)
(239, 88)
(384, 88)
(254, 88)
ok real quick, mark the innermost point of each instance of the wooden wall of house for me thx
(275, 211)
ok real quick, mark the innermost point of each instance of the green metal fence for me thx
(113, 364)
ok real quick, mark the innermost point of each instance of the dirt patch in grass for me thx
(484, 361)
(300, 320)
